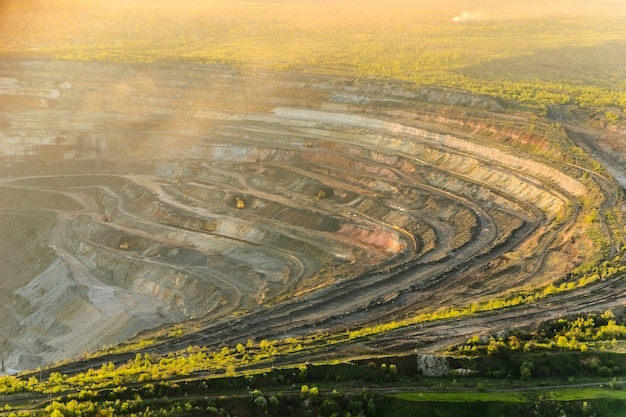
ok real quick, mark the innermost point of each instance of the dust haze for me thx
(165, 161)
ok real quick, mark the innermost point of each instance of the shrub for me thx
(260, 401)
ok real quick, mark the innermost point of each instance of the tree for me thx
(274, 401)
(526, 370)
(514, 343)
(260, 401)
(393, 371)
(302, 372)
(562, 342)
(371, 407)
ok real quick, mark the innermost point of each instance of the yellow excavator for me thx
(320, 194)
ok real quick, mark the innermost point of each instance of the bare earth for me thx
(269, 204)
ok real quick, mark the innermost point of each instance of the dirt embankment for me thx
(135, 196)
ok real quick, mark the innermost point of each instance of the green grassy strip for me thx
(574, 394)
(462, 397)
(562, 394)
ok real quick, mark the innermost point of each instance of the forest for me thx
(574, 54)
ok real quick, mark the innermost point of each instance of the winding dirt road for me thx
(307, 215)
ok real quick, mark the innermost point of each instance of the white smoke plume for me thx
(470, 16)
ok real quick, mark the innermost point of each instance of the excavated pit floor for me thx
(133, 196)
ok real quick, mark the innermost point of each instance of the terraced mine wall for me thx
(136, 196)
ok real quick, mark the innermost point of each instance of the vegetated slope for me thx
(263, 205)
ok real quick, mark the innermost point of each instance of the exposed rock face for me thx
(433, 366)
(139, 195)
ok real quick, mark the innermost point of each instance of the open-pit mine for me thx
(260, 204)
